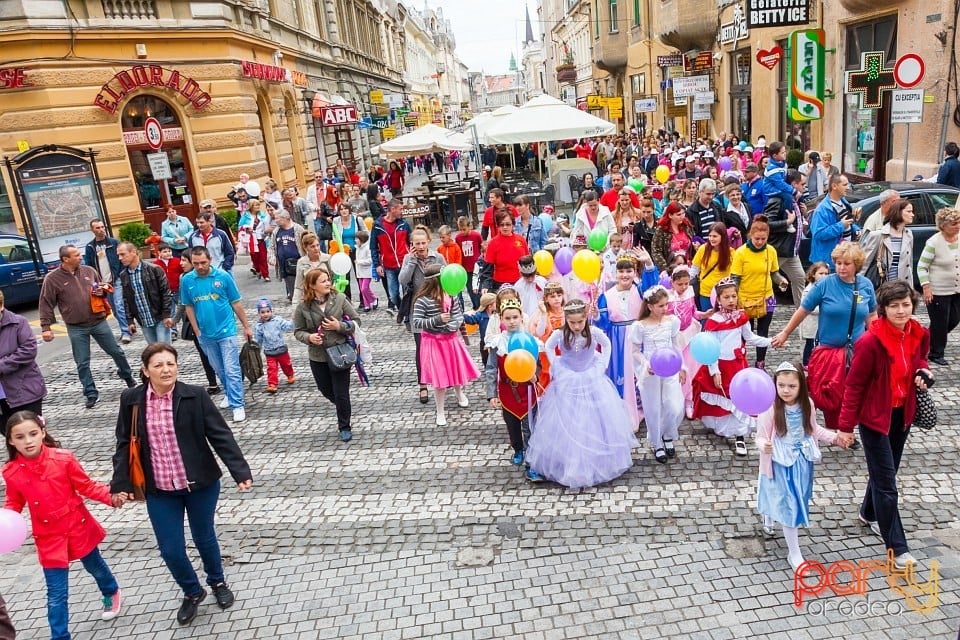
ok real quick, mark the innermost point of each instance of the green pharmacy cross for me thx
(871, 80)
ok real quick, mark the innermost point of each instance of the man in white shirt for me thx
(253, 189)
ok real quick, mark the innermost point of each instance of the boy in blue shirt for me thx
(775, 176)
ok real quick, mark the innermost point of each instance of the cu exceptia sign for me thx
(922, 597)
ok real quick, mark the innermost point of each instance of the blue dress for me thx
(786, 496)
(582, 434)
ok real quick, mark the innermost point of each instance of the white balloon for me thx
(340, 264)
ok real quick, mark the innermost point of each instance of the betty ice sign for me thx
(777, 13)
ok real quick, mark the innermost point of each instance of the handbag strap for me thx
(134, 436)
(853, 311)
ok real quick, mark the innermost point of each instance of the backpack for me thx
(251, 362)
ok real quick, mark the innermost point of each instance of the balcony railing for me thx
(129, 9)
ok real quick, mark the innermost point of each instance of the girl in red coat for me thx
(53, 483)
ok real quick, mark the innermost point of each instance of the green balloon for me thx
(597, 240)
(341, 284)
(453, 279)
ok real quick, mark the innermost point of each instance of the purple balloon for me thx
(752, 391)
(666, 362)
(563, 261)
(725, 163)
(665, 280)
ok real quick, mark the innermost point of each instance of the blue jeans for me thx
(156, 333)
(116, 303)
(57, 591)
(224, 357)
(165, 510)
(392, 278)
(80, 344)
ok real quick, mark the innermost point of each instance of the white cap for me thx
(675, 157)
(749, 149)
(762, 142)
(708, 154)
(691, 158)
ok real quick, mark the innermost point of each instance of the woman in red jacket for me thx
(503, 254)
(880, 394)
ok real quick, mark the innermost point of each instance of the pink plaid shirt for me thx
(169, 472)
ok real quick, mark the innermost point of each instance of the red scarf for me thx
(900, 346)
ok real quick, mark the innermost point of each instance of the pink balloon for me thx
(666, 362)
(13, 530)
(563, 261)
(752, 391)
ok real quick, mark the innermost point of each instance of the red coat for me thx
(53, 486)
(173, 271)
(867, 395)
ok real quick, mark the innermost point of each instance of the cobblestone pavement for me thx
(415, 531)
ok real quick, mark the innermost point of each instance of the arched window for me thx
(143, 107)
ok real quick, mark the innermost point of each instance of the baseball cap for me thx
(207, 203)
(708, 154)
(263, 303)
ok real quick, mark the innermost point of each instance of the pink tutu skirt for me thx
(445, 361)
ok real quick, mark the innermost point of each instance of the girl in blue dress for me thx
(787, 436)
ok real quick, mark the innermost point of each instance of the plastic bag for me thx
(243, 242)
(363, 346)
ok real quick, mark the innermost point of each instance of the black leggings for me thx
(416, 341)
(335, 387)
(761, 327)
(518, 429)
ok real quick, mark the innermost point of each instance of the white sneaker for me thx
(441, 420)
(904, 559)
(239, 415)
(224, 402)
(462, 400)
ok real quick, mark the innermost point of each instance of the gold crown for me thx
(575, 306)
(511, 303)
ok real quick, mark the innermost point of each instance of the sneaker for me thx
(91, 402)
(769, 531)
(239, 415)
(213, 389)
(462, 401)
(873, 524)
(346, 435)
(441, 420)
(271, 389)
(111, 606)
(223, 595)
(125, 339)
(517, 458)
(533, 476)
(188, 609)
(903, 560)
(669, 448)
(291, 379)
(224, 403)
(740, 447)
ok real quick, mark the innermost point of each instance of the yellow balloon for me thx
(520, 365)
(544, 261)
(369, 223)
(663, 174)
(587, 266)
(333, 247)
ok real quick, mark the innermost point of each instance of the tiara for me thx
(552, 287)
(627, 258)
(506, 287)
(787, 366)
(725, 282)
(511, 303)
(649, 293)
(575, 306)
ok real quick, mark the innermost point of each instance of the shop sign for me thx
(701, 62)
(733, 31)
(299, 78)
(701, 110)
(159, 166)
(129, 80)
(906, 106)
(770, 58)
(14, 78)
(260, 71)
(871, 80)
(380, 122)
(389, 133)
(338, 115)
(707, 97)
(676, 111)
(691, 86)
(645, 105)
(595, 101)
(806, 75)
(671, 60)
(376, 97)
(170, 134)
(777, 13)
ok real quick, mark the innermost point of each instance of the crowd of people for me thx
(671, 242)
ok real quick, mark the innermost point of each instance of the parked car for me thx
(927, 198)
(20, 275)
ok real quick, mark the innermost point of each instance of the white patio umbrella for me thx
(545, 118)
(429, 138)
(483, 122)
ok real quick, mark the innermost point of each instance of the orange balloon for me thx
(369, 223)
(520, 366)
(333, 247)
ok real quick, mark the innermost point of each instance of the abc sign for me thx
(338, 115)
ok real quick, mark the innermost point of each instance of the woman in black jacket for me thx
(176, 425)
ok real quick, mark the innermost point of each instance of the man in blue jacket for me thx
(101, 254)
(833, 222)
(949, 173)
(753, 189)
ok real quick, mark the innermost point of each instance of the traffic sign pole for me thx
(906, 152)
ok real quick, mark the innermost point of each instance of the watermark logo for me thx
(813, 578)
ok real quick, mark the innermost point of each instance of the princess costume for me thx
(683, 307)
(583, 434)
(712, 405)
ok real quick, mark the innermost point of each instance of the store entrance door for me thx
(157, 192)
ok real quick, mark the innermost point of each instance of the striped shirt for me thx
(896, 244)
(169, 472)
(939, 266)
(140, 297)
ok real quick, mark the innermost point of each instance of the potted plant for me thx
(136, 233)
(567, 70)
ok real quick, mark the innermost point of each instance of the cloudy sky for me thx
(487, 31)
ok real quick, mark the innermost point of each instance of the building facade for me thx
(420, 75)
(568, 49)
(267, 88)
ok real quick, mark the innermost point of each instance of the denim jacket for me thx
(269, 335)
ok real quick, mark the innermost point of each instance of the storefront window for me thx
(740, 93)
(867, 132)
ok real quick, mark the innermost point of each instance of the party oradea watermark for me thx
(847, 578)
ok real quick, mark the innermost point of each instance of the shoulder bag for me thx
(876, 273)
(760, 307)
(828, 366)
(137, 477)
(341, 357)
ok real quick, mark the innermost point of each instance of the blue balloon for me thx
(705, 348)
(525, 341)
